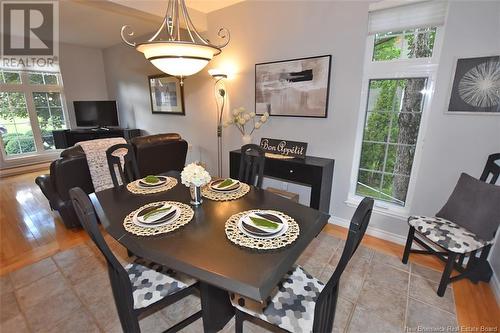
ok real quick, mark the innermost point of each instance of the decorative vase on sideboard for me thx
(246, 139)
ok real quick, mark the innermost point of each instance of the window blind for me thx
(410, 16)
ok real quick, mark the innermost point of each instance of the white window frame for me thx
(28, 89)
(395, 69)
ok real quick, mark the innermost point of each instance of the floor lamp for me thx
(220, 100)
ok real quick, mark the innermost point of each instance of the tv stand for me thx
(68, 138)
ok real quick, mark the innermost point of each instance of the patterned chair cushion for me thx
(151, 282)
(291, 305)
(447, 234)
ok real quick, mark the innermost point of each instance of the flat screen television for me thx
(96, 113)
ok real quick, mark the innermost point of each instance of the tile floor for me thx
(70, 292)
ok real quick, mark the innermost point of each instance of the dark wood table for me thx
(201, 249)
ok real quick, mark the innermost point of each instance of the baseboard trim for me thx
(24, 169)
(372, 231)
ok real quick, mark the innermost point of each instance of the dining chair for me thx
(454, 243)
(127, 171)
(301, 303)
(252, 165)
(141, 287)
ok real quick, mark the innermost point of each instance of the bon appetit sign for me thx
(284, 147)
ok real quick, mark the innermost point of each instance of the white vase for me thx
(246, 139)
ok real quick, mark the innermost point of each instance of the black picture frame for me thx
(174, 104)
(307, 75)
(468, 94)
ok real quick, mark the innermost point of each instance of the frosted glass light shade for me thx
(178, 58)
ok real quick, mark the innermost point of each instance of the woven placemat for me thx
(134, 187)
(220, 196)
(185, 217)
(240, 239)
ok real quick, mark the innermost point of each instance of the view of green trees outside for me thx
(393, 117)
(15, 125)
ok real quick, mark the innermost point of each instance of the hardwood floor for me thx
(29, 232)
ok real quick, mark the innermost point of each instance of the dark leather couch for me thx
(155, 154)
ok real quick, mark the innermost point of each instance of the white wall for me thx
(82, 70)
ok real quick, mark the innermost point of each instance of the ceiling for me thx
(207, 6)
(98, 23)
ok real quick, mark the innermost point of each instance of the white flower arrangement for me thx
(241, 117)
(194, 174)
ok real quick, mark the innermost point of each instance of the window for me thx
(393, 115)
(415, 43)
(399, 71)
(31, 106)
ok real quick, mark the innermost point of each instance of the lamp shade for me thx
(178, 58)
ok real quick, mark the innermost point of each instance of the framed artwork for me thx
(293, 88)
(476, 86)
(166, 94)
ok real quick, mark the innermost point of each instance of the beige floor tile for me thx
(365, 321)
(389, 277)
(342, 315)
(71, 256)
(32, 273)
(105, 314)
(154, 323)
(46, 315)
(8, 306)
(195, 327)
(15, 324)
(181, 309)
(394, 261)
(426, 273)
(353, 277)
(424, 317)
(386, 304)
(249, 327)
(79, 322)
(425, 291)
(42, 290)
(93, 289)
(5, 284)
(83, 268)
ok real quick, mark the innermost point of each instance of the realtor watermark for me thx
(30, 34)
(446, 329)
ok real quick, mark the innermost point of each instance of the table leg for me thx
(216, 308)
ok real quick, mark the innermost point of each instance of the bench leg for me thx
(409, 242)
(445, 278)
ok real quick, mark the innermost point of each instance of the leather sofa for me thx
(155, 154)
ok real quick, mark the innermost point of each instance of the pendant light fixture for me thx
(175, 54)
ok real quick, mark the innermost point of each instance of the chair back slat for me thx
(120, 282)
(129, 172)
(252, 165)
(324, 312)
(492, 168)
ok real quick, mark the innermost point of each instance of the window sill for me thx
(382, 208)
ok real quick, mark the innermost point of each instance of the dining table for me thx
(202, 250)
